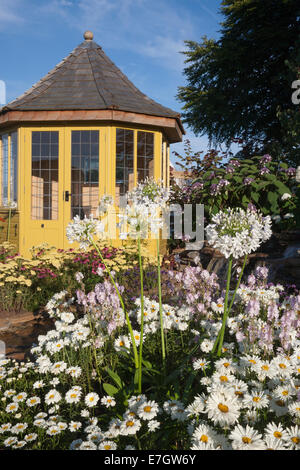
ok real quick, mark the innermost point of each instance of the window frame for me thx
(10, 182)
(157, 152)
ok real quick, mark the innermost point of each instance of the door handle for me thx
(67, 196)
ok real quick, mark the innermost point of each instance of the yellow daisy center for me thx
(223, 408)
(246, 440)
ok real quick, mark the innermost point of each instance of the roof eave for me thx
(171, 126)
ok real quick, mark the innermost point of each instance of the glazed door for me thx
(82, 175)
(43, 187)
(61, 181)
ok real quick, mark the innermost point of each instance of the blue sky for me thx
(143, 37)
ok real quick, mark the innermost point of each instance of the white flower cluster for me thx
(236, 232)
(149, 193)
(239, 394)
(83, 230)
(173, 317)
(264, 295)
(143, 211)
(57, 300)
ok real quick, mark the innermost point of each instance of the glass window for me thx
(145, 155)
(14, 167)
(124, 162)
(4, 169)
(85, 173)
(44, 175)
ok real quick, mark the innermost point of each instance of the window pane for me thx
(4, 170)
(44, 175)
(124, 162)
(85, 173)
(145, 155)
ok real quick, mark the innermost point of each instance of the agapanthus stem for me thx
(227, 310)
(221, 338)
(8, 225)
(136, 359)
(163, 350)
(238, 283)
(142, 317)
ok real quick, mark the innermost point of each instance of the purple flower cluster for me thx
(248, 181)
(103, 304)
(92, 260)
(194, 287)
(265, 159)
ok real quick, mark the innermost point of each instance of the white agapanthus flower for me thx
(143, 211)
(83, 230)
(285, 196)
(236, 232)
(9, 204)
(105, 202)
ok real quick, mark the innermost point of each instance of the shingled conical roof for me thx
(87, 80)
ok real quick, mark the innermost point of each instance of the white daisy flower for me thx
(108, 401)
(91, 399)
(148, 410)
(246, 438)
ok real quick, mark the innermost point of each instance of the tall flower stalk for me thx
(146, 202)
(142, 317)
(83, 232)
(236, 233)
(163, 348)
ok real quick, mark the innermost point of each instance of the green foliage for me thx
(268, 185)
(237, 85)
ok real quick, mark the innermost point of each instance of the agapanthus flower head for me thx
(143, 211)
(236, 232)
(105, 202)
(83, 230)
(9, 204)
(148, 193)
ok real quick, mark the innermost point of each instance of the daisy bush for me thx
(81, 389)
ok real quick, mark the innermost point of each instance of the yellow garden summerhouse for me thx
(84, 130)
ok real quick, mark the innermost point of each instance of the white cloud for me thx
(128, 25)
(165, 48)
(9, 13)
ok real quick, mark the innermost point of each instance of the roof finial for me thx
(88, 36)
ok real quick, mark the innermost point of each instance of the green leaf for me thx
(110, 389)
(147, 364)
(115, 377)
(255, 197)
